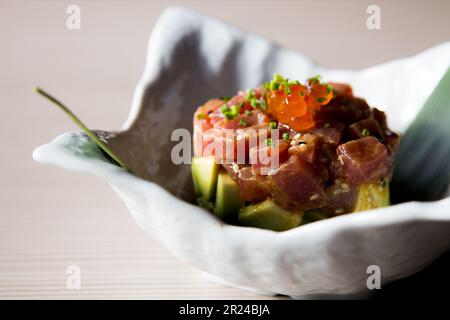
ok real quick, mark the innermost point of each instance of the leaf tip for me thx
(38, 90)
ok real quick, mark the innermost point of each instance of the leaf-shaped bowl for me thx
(192, 58)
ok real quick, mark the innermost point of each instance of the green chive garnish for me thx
(320, 100)
(286, 136)
(268, 142)
(273, 85)
(314, 80)
(277, 77)
(248, 113)
(263, 104)
(254, 103)
(224, 108)
(273, 125)
(365, 132)
(243, 123)
(201, 116)
(235, 109)
(228, 115)
(250, 95)
(286, 87)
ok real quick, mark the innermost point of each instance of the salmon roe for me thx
(296, 104)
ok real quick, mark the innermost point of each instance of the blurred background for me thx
(50, 218)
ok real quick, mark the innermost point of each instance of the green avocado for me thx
(228, 200)
(204, 174)
(372, 196)
(269, 215)
(314, 215)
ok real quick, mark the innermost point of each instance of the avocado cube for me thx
(269, 215)
(228, 199)
(372, 196)
(204, 174)
(314, 215)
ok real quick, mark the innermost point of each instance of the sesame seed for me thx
(337, 191)
(293, 143)
(297, 136)
(339, 211)
(314, 197)
(345, 187)
(235, 167)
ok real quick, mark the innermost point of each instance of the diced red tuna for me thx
(364, 160)
(267, 157)
(253, 188)
(297, 185)
(365, 127)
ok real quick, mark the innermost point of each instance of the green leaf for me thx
(422, 166)
(80, 124)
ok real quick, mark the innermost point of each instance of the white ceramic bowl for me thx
(192, 58)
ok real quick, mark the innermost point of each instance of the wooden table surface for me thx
(51, 219)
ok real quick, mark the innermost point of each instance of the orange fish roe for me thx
(295, 104)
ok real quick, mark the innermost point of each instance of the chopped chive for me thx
(250, 95)
(320, 100)
(229, 115)
(274, 85)
(268, 142)
(201, 116)
(273, 125)
(234, 109)
(329, 88)
(277, 77)
(248, 113)
(327, 125)
(254, 103)
(293, 82)
(224, 108)
(263, 104)
(287, 89)
(365, 132)
(315, 80)
(243, 123)
(267, 85)
(286, 136)
(225, 98)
